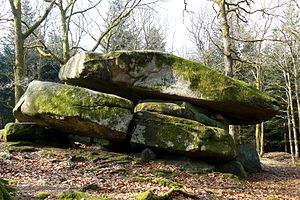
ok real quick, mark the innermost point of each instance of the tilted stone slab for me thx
(178, 135)
(146, 74)
(184, 110)
(75, 110)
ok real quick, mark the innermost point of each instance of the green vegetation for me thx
(42, 195)
(21, 146)
(228, 175)
(149, 195)
(163, 173)
(76, 195)
(5, 155)
(6, 190)
(160, 181)
(120, 171)
(203, 170)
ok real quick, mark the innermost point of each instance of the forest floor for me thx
(121, 176)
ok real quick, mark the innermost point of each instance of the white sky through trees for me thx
(178, 14)
(174, 13)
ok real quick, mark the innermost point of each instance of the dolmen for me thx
(148, 99)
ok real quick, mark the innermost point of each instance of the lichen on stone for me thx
(178, 135)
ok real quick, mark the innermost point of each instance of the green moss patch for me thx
(160, 181)
(110, 157)
(203, 170)
(149, 195)
(20, 147)
(42, 195)
(6, 191)
(163, 173)
(77, 195)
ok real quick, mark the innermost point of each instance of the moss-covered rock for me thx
(75, 110)
(180, 135)
(181, 109)
(149, 74)
(233, 167)
(25, 131)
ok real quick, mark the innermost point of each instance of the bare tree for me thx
(66, 12)
(86, 25)
(141, 30)
(19, 38)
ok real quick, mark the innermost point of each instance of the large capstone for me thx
(75, 110)
(147, 74)
(184, 136)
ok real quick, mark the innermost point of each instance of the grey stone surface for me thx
(248, 157)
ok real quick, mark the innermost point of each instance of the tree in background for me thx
(285, 56)
(19, 40)
(140, 30)
(77, 22)
(6, 87)
(126, 35)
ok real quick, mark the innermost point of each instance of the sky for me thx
(177, 18)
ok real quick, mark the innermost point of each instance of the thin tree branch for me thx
(37, 23)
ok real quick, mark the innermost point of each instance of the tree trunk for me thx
(227, 50)
(292, 114)
(285, 141)
(257, 137)
(259, 128)
(19, 68)
(290, 130)
(19, 39)
(261, 152)
(295, 73)
(64, 32)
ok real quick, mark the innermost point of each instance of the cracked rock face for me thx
(140, 75)
(75, 110)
